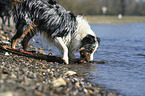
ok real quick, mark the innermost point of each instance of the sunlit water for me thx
(123, 50)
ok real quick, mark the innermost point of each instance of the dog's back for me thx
(48, 16)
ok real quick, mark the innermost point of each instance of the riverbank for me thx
(114, 19)
(23, 76)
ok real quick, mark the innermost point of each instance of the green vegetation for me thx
(114, 19)
(114, 7)
(132, 10)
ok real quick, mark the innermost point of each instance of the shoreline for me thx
(113, 20)
(21, 76)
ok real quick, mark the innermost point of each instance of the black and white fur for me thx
(68, 33)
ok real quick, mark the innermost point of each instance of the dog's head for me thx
(89, 45)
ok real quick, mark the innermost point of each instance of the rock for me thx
(50, 50)
(50, 54)
(35, 49)
(6, 42)
(30, 45)
(3, 37)
(7, 54)
(13, 76)
(1, 81)
(37, 42)
(86, 91)
(2, 32)
(58, 82)
(33, 40)
(70, 73)
(40, 48)
(41, 52)
(6, 94)
(8, 38)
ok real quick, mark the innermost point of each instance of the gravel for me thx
(22, 76)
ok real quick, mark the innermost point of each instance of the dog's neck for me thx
(83, 29)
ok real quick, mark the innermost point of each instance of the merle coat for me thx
(68, 32)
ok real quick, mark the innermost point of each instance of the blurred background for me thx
(121, 26)
(105, 7)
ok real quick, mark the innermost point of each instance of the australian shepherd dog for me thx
(67, 32)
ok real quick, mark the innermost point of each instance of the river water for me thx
(123, 50)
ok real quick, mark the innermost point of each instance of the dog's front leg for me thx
(64, 48)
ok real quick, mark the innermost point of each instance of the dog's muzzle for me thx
(85, 55)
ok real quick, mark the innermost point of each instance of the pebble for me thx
(40, 48)
(31, 45)
(1, 81)
(14, 76)
(3, 37)
(70, 73)
(35, 49)
(33, 40)
(6, 42)
(37, 42)
(41, 52)
(2, 32)
(6, 94)
(58, 82)
(7, 54)
(32, 77)
(50, 54)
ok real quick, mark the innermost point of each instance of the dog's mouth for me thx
(84, 55)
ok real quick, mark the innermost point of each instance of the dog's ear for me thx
(98, 39)
(89, 39)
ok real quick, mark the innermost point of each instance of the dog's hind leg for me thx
(19, 33)
(64, 49)
(27, 39)
(16, 38)
(19, 27)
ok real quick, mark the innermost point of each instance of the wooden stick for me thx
(37, 56)
(31, 55)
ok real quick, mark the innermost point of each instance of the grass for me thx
(114, 19)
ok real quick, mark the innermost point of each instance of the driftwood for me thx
(48, 58)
